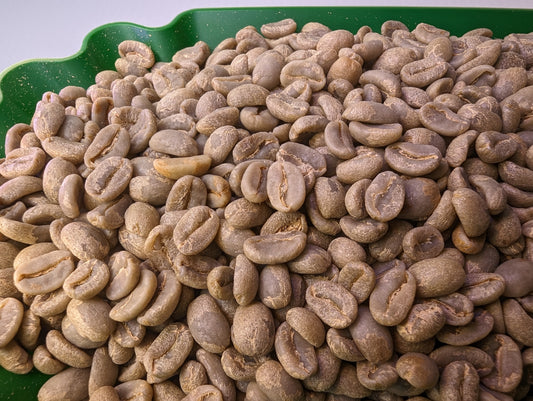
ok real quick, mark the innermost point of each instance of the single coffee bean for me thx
(275, 286)
(285, 187)
(11, 315)
(84, 241)
(423, 321)
(412, 159)
(252, 332)
(91, 318)
(332, 303)
(393, 296)
(44, 274)
(196, 230)
(167, 352)
(203, 312)
(447, 354)
(70, 384)
(418, 369)
(131, 306)
(459, 380)
(276, 383)
(376, 377)
(296, 355)
(109, 178)
(385, 196)
(437, 276)
(260, 249)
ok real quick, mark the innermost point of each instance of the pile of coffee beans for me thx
(309, 214)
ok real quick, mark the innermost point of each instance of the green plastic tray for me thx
(22, 85)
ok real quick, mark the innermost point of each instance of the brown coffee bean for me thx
(364, 231)
(66, 352)
(276, 383)
(196, 230)
(252, 332)
(103, 371)
(517, 321)
(367, 163)
(89, 278)
(167, 352)
(376, 377)
(412, 159)
(392, 297)
(423, 321)
(245, 280)
(344, 250)
(243, 214)
(275, 286)
(192, 374)
(238, 366)
(296, 355)
(422, 243)
(205, 392)
(91, 318)
(442, 120)
(507, 362)
(341, 344)
(203, 312)
(332, 303)
(385, 196)
(313, 260)
(45, 363)
(447, 354)
(260, 146)
(437, 276)
(516, 277)
(260, 249)
(285, 187)
(459, 380)
(470, 333)
(483, 288)
(138, 388)
(216, 375)
(192, 271)
(11, 315)
(307, 324)
(418, 369)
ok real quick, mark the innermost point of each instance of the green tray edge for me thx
(23, 84)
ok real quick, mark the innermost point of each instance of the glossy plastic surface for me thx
(22, 85)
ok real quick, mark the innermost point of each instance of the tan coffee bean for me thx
(176, 168)
(203, 311)
(167, 352)
(137, 300)
(70, 384)
(44, 274)
(66, 352)
(109, 178)
(196, 230)
(85, 241)
(91, 318)
(11, 315)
